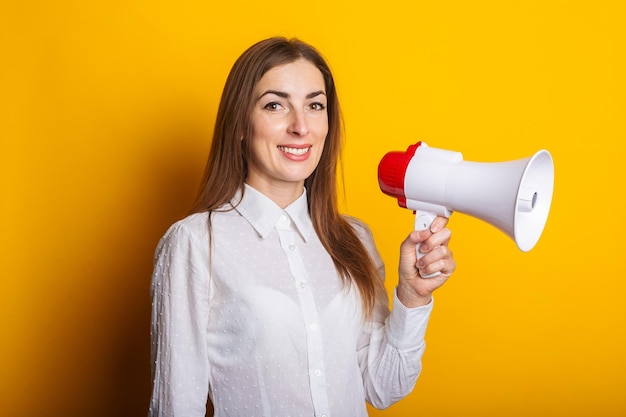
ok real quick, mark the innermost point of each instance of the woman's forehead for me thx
(299, 75)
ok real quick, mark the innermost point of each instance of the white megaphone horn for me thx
(514, 196)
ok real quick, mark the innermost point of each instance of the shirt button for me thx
(317, 372)
(313, 326)
(283, 222)
(303, 285)
(292, 246)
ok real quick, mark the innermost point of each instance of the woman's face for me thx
(289, 127)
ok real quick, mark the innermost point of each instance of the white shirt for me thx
(264, 324)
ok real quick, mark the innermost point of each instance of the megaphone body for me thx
(514, 196)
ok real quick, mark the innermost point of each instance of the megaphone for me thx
(514, 196)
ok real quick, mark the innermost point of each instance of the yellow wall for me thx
(107, 109)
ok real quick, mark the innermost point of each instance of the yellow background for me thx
(107, 110)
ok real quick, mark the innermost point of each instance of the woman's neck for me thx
(281, 194)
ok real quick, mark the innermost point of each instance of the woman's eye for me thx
(272, 106)
(317, 106)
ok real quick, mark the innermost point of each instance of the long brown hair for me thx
(226, 168)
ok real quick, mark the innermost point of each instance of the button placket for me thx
(315, 353)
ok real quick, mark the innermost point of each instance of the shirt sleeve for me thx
(391, 347)
(180, 304)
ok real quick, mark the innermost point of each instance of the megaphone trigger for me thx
(423, 221)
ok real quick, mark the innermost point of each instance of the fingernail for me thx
(423, 247)
(435, 227)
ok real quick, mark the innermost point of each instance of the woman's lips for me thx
(295, 153)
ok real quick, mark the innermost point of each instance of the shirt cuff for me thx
(406, 327)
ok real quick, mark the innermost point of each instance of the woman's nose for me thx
(299, 125)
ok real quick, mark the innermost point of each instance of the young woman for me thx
(266, 299)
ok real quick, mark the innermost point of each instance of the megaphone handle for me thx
(423, 221)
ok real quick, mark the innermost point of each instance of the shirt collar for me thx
(263, 214)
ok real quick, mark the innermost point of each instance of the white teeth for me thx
(294, 151)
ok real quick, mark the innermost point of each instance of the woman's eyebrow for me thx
(276, 93)
(315, 94)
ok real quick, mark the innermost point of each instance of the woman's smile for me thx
(295, 152)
